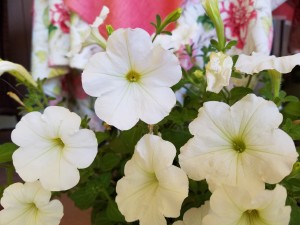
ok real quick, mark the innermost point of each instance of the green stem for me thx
(276, 82)
(249, 81)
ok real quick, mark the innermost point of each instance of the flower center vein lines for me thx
(223, 133)
(29, 208)
(148, 185)
(126, 89)
(243, 134)
(39, 156)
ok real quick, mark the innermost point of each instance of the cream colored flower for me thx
(132, 79)
(194, 216)
(29, 204)
(17, 71)
(238, 145)
(218, 71)
(52, 147)
(234, 205)
(258, 62)
(152, 187)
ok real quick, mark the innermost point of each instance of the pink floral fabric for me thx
(60, 16)
(237, 17)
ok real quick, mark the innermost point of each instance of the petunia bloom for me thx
(258, 62)
(152, 187)
(194, 216)
(29, 204)
(234, 205)
(218, 71)
(238, 145)
(132, 79)
(52, 147)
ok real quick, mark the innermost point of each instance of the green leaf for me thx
(127, 140)
(230, 44)
(214, 43)
(234, 59)
(109, 29)
(295, 214)
(102, 219)
(158, 21)
(290, 98)
(85, 196)
(6, 151)
(238, 93)
(109, 161)
(102, 136)
(292, 129)
(177, 137)
(236, 74)
(113, 213)
(292, 108)
(166, 32)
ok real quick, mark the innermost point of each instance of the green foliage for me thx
(6, 151)
(206, 22)
(109, 29)
(293, 109)
(161, 25)
(292, 129)
(35, 99)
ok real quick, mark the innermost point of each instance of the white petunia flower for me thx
(132, 79)
(234, 205)
(29, 204)
(238, 145)
(258, 62)
(152, 187)
(52, 147)
(194, 216)
(218, 71)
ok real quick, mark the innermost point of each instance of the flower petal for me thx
(51, 213)
(131, 45)
(155, 103)
(260, 113)
(160, 62)
(118, 108)
(12, 195)
(60, 175)
(172, 190)
(259, 62)
(273, 155)
(98, 78)
(29, 161)
(80, 148)
(29, 129)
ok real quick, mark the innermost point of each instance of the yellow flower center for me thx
(58, 142)
(133, 76)
(251, 216)
(238, 145)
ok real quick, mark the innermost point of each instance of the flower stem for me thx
(249, 81)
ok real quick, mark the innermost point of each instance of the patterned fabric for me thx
(40, 50)
(247, 21)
